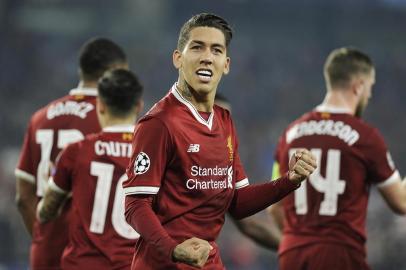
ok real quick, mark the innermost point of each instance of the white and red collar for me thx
(119, 129)
(332, 109)
(193, 110)
(85, 91)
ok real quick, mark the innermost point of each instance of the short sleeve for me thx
(381, 168)
(151, 153)
(25, 167)
(241, 179)
(62, 175)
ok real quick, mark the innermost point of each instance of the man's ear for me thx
(176, 58)
(139, 107)
(227, 66)
(101, 107)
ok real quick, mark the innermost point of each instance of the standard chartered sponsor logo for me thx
(221, 183)
(323, 127)
(202, 171)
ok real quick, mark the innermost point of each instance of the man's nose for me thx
(207, 56)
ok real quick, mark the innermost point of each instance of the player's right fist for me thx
(193, 251)
(301, 164)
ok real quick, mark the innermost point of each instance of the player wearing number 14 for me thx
(93, 170)
(63, 121)
(324, 224)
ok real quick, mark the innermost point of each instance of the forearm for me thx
(260, 232)
(27, 208)
(26, 201)
(277, 215)
(254, 198)
(139, 214)
(49, 206)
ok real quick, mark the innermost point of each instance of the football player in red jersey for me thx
(93, 170)
(61, 122)
(324, 219)
(185, 172)
(259, 231)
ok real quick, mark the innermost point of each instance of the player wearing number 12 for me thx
(324, 224)
(63, 121)
(93, 170)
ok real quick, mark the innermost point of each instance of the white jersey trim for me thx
(83, 91)
(55, 187)
(141, 190)
(332, 109)
(193, 110)
(242, 183)
(24, 176)
(395, 177)
(119, 128)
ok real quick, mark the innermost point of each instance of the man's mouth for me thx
(204, 74)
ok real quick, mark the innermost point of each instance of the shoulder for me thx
(224, 114)
(163, 111)
(41, 114)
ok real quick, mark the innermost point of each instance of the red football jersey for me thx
(332, 205)
(193, 167)
(94, 170)
(61, 122)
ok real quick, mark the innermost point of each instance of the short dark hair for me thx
(208, 20)
(344, 63)
(120, 90)
(99, 55)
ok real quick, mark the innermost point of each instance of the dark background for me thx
(276, 74)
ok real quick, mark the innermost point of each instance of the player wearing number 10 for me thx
(93, 170)
(324, 224)
(63, 121)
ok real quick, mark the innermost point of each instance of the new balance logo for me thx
(193, 148)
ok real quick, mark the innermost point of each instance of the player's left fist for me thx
(301, 165)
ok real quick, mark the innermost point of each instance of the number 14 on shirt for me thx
(331, 185)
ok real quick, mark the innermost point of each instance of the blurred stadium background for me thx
(276, 74)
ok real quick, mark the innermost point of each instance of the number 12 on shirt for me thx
(331, 185)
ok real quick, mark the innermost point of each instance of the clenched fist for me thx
(193, 251)
(301, 165)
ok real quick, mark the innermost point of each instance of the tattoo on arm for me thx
(49, 205)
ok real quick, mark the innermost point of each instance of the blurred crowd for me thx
(276, 74)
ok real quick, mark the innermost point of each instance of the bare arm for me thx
(262, 233)
(395, 194)
(50, 204)
(277, 215)
(26, 201)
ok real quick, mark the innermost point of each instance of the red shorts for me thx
(323, 256)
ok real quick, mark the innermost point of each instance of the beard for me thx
(360, 109)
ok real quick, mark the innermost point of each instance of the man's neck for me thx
(87, 84)
(111, 121)
(340, 99)
(202, 103)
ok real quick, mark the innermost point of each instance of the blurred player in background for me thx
(185, 172)
(63, 121)
(260, 232)
(93, 170)
(324, 219)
